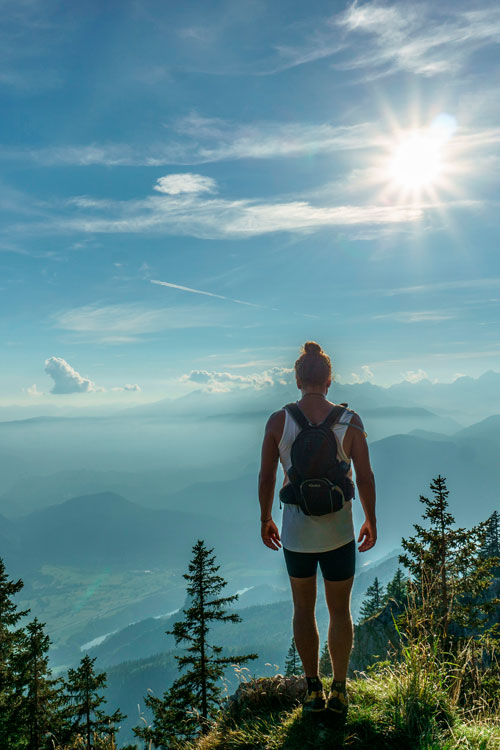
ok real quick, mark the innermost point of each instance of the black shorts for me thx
(336, 564)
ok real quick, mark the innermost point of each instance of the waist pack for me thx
(319, 481)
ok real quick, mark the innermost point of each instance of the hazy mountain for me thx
(105, 530)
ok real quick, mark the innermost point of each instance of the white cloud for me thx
(225, 381)
(32, 390)
(198, 291)
(418, 316)
(207, 218)
(366, 375)
(404, 36)
(127, 387)
(415, 376)
(123, 323)
(174, 184)
(66, 378)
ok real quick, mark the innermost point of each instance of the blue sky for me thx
(286, 170)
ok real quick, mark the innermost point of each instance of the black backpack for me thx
(319, 481)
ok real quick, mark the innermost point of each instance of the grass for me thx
(380, 716)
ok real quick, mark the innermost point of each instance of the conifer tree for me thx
(293, 664)
(186, 709)
(374, 601)
(491, 546)
(449, 573)
(40, 710)
(84, 715)
(397, 587)
(11, 698)
(325, 662)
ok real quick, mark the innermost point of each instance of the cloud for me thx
(123, 323)
(66, 379)
(415, 376)
(127, 387)
(174, 184)
(402, 36)
(216, 218)
(198, 291)
(206, 140)
(225, 381)
(32, 390)
(365, 377)
(418, 316)
(441, 286)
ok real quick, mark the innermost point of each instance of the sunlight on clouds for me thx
(415, 376)
(366, 376)
(66, 378)
(225, 381)
(174, 184)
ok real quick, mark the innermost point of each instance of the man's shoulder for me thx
(276, 422)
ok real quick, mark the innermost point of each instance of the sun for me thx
(417, 161)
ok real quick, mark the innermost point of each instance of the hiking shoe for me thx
(338, 703)
(314, 703)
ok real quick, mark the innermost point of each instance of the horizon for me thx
(163, 203)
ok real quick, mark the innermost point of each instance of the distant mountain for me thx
(106, 530)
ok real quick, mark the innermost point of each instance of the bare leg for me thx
(340, 632)
(305, 628)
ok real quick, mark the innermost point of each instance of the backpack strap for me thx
(333, 416)
(297, 415)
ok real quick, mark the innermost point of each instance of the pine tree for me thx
(449, 573)
(374, 601)
(11, 698)
(325, 663)
(40, 711)
(491, 546)
(293, 665)
(84, 715)
(397, 588)
(187, 707)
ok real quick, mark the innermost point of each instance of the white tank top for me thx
(301, 533)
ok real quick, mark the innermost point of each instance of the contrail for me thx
(199, 291)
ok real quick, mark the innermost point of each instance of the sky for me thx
(189, 191)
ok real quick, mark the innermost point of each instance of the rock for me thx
(267, 693)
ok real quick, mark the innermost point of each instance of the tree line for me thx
(446, 594)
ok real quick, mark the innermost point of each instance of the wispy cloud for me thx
(382, 38)
(199, 291)
(212, 218)
(124, 323)
(417, 316)
(442, 286)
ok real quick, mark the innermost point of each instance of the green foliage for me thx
(40, 712)
(325, 662)
(293, 665)
(450, 574)
(374, 601)
(193, 700)
(11, 685)
(397, 588)
(83, 713)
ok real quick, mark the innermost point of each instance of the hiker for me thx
(317, 518)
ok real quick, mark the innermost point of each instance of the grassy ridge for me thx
(386, 711)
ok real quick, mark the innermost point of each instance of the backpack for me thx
(319, 481)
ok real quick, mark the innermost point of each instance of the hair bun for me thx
(311, 347)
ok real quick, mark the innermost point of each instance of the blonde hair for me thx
(313, 367)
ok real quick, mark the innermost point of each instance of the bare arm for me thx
(267, 482)
(365, 482)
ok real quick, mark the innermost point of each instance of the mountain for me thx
(107, 530)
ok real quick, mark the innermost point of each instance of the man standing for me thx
(327, 539)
